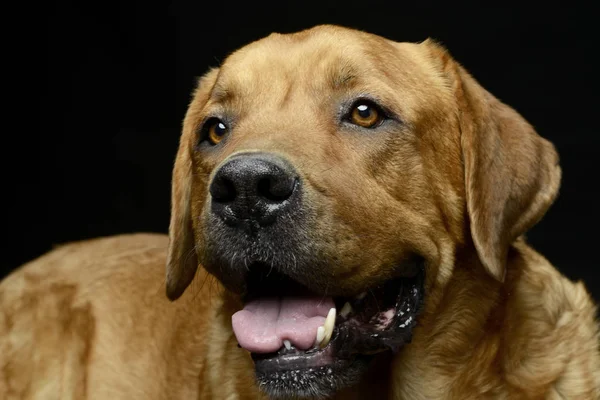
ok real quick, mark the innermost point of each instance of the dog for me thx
(347, 222)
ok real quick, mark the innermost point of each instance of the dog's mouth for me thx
(306, 344)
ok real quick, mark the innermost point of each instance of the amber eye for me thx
(366, 115)
(216, 131)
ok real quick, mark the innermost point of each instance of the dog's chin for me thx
(366, 324)
(286, 382)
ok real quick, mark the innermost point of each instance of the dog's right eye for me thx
(214, 131)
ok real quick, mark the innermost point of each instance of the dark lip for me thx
(275, 362)
(353, 339)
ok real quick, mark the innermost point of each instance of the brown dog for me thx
(345, 195)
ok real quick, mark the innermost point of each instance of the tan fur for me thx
(459, 182)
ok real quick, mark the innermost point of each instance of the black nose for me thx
(252, 190)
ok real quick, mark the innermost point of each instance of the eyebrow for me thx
(343, 78)
(219, 94)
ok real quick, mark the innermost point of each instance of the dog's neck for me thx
(503, 331)
(453, 334)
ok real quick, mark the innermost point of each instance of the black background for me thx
(102, 88)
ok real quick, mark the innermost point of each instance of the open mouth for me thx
(309, 345)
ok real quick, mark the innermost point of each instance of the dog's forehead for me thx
(321, 58)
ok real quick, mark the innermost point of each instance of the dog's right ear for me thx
(182, 261)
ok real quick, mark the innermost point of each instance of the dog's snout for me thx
(253, 188)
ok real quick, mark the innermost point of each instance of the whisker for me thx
(324, 294)
(206, 277)
(375, 298)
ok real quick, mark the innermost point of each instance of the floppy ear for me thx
(511, 174)
(182, 261)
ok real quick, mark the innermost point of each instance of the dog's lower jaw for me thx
(320, 383)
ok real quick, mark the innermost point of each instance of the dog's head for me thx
(334, 169)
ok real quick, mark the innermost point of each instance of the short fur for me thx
(458, 181)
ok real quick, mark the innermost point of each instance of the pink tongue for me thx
(263, 324)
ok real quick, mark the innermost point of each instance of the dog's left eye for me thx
(366, 114)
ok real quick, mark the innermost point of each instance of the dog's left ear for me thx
(511, 174)
(182, 261)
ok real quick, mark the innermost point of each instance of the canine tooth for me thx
(347, 309)
(320, 335)
(287, 344)
(330, 321)
(361, 295)
(328, 327)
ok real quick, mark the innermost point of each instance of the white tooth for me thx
(320, 335)
(361, 295)
(330, 320)
(287, 344)
(328, 327)
(347, 309)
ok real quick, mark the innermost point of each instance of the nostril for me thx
(223, 190)
(275, 189)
